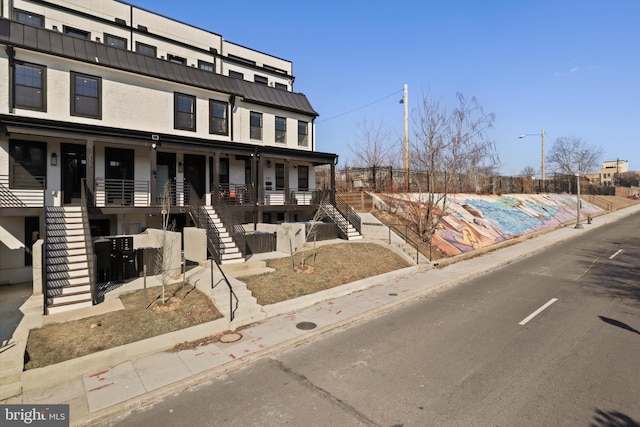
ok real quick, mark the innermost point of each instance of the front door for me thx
(166, 176)
(119, 175)
(73, 170)
(194, 175)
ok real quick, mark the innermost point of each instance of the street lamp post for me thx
(542, 152)
(405, 101)
(578, 223)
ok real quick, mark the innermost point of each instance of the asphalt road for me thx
(550, 340)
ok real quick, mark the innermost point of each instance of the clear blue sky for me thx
(571, 67)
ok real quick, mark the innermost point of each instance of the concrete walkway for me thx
(105, 384)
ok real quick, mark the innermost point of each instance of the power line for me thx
(361, 107)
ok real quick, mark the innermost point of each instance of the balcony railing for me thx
(122, 192)
(22, 192)
(296, 196)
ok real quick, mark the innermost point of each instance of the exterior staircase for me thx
(68, 281)
(229, 252)
(345, 226)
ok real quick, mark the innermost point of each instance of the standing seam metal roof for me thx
(52, 42)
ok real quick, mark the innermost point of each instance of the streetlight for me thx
(542, 157)
(405, 101)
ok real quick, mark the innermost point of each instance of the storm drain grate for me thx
(306, 326)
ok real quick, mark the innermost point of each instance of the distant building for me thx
(611, 170)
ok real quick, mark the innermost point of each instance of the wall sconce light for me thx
(54, 159)
(180, 167)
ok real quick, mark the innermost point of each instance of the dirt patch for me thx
(333, 265)
(185, 307)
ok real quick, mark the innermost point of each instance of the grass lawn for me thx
(334, 265)
(57, 342)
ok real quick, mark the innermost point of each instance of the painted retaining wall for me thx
(476, 221)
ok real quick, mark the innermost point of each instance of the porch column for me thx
(215, 172)
(90, 170)
(287, 190)
(257, 190)
(153, 179)
(333, 183)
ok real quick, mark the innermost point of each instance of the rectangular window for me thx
(243, 60)
(204, 65)
(261, 80)
(218, 123)
(86, 93)
(236, 75)
(74, 32)
(184, 112)
(303, 133)
(281, 86)
(256, 125)
(303, 178)
(146, 49)
(27, 164)
(29, 18)
(279, 176)
(115, 41)
(29, 90)
(176, 59)
(281, 129)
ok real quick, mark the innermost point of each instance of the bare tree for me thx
(573, 156)
(528, 172)
(452, 148)
(372, 149)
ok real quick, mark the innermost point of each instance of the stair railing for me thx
(88, 243)
(232, 295)
(405, 237)
(236, 231)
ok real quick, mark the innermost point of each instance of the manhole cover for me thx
(305, 326)
(232, 337)
(393, 294)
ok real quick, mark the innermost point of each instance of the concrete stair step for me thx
(62, 307)
(66, 252)
(68, 275)
(68, 299)
(64, 238)
(63, 246)
(69, 290)
(61, 232)
(68, 259)
(61, 283)
(59, 265)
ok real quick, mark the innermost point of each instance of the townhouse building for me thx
(111, 116)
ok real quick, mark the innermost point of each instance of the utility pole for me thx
(405, 101)
(542, 163)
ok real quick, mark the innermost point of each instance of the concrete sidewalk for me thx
(103, 385)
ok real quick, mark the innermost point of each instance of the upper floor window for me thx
(218, 122)
(240, 59)
(256, 125)
(30, 86)
(236, 75)
(27, 164)
(184, 112)
(29, 18)
(281, 129)
(303, 133)
(279, 176)
(261, 79)
(204, 65)
(74, 32)
(115, 41)
(146, 49)
(176, 59)
(86, 94)
(281, 86)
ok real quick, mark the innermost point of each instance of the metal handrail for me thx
(405, 237)
(232, 295)
(236, 231)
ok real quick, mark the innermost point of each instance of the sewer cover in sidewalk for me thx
(306, 326)
(230, 337)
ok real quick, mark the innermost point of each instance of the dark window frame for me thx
(19, 15)
(279, 173)
(123, 40)
(281, 86)
(179, 115)
(21, 88)
(303, 137)
(280, 126)
(218, 123)
(76, 32)
(255, 125)
(176, 59)
(145, 49)
(261, 80)
(205, 65)
(77, 96)
(27, 172)
(236, 75)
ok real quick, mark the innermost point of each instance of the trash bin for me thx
(102, 250)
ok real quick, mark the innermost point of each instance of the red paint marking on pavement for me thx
(292, 317)
(101, 387)
(261, 345)
(339, 311)
(214, 354)
(246, 350)
(199, 354)
(232, 356)
(99, 373)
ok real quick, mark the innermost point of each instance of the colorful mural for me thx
(476, 221)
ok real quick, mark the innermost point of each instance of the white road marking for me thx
(538, 311)
(616, 254)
